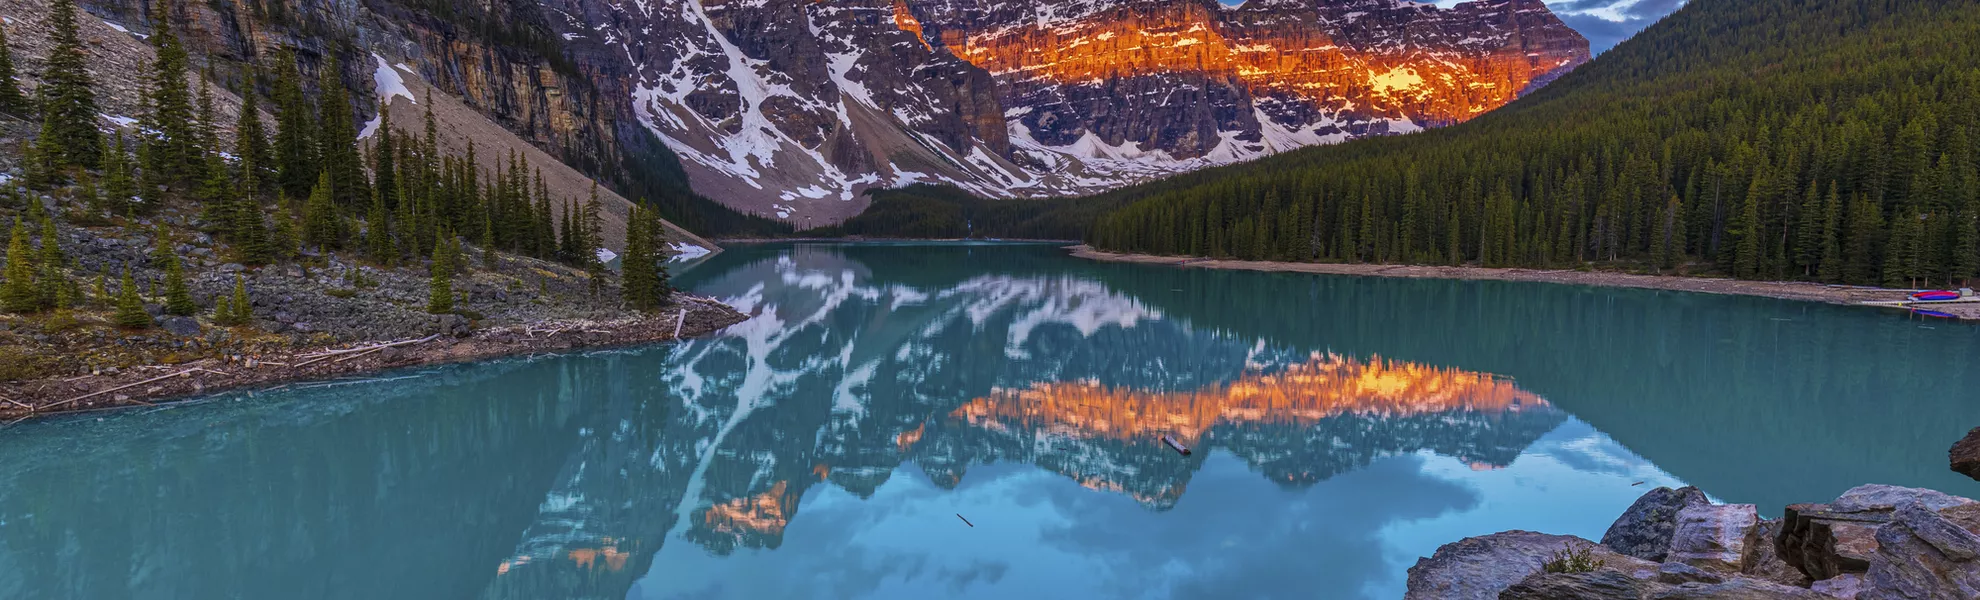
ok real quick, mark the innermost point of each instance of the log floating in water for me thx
(1180, 449)
(965, 520)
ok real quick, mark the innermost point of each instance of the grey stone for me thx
(1846, 586)
(1644, 531)
(232, 268)
(1679, 573)
(302, 326)
(179, 326)
(1923, 555)
(1601, 584)
(1737, 589)
(1888, 497)
(1481, 567)
(1763, 558)
(1714, 537)
(1965, 454)
(1827, 540)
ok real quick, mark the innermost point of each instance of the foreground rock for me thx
(1644, 531)
(1480, 567)
(1966, 455)
(1874, 542)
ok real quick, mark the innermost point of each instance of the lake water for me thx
(832, 446)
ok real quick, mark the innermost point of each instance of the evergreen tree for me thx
(295, 145)
(205, 157)
(100, 293)
(256, 159)
(18, 293)
(118, 180)
(440, 289)
(178, 299)
(378, 231)
(337, 140)
(1966, 241)
(1866, 230)
(11, 100)
(638, 281)
(384, 166)
(1905, 252)
(130, 307)
(1832, 261)
(243, 306)
(592, 233)
(285, 241)
(322, 224)
(68, 96)
(172, 151)
(50, 280)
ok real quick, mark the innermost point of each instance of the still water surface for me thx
(1341, 427)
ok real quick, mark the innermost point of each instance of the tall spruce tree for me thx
(295, 124)
(384, 167)
(378, 231)
(119, 182)
(68, 96)
(322, 221)
(173, 148)
(440, 288)
(337, 140)
(11, 100)
(256, 161)
(178, 299)
(638, 282)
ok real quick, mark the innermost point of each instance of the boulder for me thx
(1763, 558)
(1601, 584)
(1644, 531)
(1715, 537)
(1923, 555)
(1846, 587)
(1742, 588)
(179, 326)
(1677, 573)
(1965, 455)
(1827, 540)
(1478, 568)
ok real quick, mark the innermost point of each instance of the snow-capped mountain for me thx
(792, 108)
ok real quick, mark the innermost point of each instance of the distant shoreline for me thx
(1784, 290)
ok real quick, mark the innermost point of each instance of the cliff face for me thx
(792, 108)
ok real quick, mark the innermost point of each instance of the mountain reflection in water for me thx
(823, 448)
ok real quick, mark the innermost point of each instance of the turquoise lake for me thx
(832, 446)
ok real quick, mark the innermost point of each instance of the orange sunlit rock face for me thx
(1275, 58)
(1324, 386)
(905, 20)
(763, 514)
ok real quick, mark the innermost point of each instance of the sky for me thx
(1607, 22)
(1603, 22)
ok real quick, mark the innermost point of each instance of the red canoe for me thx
(1935, 295)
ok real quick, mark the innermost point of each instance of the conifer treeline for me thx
(402, 199)
(1766, 139)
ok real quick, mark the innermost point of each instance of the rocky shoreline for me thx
(1785, 290)
(1875, 542)
(690, 316)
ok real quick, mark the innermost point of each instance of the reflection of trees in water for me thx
(1807, 400)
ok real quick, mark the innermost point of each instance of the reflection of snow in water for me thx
(1085, 305)
(798, 308)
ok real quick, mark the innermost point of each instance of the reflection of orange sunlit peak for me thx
(1324, 386)
(586, 558)
(764, 513)
(907, 438)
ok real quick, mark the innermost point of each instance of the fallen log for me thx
(321, 357)
(121, 387)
